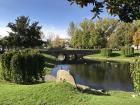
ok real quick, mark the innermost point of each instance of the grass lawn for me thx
(116, 56)
(52, 93)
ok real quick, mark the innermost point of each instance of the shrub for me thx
(135, 74)
(25, 66)
(106, 52)
(5, 65)
(127, 51)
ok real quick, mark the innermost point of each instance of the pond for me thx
(100, 74)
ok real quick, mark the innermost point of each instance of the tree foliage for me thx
(123, 35)
(136, 37)
(76, 39)
(24, 34)
(126, 10)
(135, 74)
(71, 29)
(113, 41)
(6, 42)
(104, 33)
(90, 34)
(58, 42)
(104, 28)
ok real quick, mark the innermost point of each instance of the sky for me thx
(53, 15)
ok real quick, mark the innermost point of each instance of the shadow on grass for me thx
(136, 54)
(21, 83)
(115, 54)
(101, 92)
(32, 83)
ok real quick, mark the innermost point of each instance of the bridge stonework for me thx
(67, 53)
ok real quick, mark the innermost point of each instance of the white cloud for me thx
(56, 31)
(4, 31)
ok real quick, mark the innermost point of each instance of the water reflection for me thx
(100, 75)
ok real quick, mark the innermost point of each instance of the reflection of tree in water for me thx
(89, 72)
(118, 73)
(104, 72)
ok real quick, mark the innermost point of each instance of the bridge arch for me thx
(69, 55)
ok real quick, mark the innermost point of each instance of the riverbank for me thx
(116, 56)
(53, 93)
(50, 62)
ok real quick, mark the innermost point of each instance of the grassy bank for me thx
(116, 56)
(52, 93)
(50, 62)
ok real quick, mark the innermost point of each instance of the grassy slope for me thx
(52, 93)
(50, 62)
(117, 56)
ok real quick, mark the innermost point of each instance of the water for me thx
(100, 75)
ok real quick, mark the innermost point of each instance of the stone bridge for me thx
(70, 54)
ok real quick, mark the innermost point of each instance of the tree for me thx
(113, 41)
(86, 27)
(71, 29)
(76, 40)
(92, 34)
(81, 36)
(104, 28)
(6, 42)
(23, 34)
(48, 40)
(136, 38)
(33, 36)
(94, 39)
(126, 10)
(125, 32)
(58, 42)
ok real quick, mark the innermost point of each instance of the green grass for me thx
(52, 93)
(79, 49)
(50, 62)
(49, 56)
(116, 56)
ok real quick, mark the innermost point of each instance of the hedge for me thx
(106, 52)
(25, 66)
(127, 51)
(6, 72)
(135, 74)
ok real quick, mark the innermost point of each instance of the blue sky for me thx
(53, 15)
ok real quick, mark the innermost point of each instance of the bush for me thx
(135, 74)
(6, 72)
(127, 51)
(106, 52)
(25, 66)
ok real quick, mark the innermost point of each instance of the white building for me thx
(135, 47)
